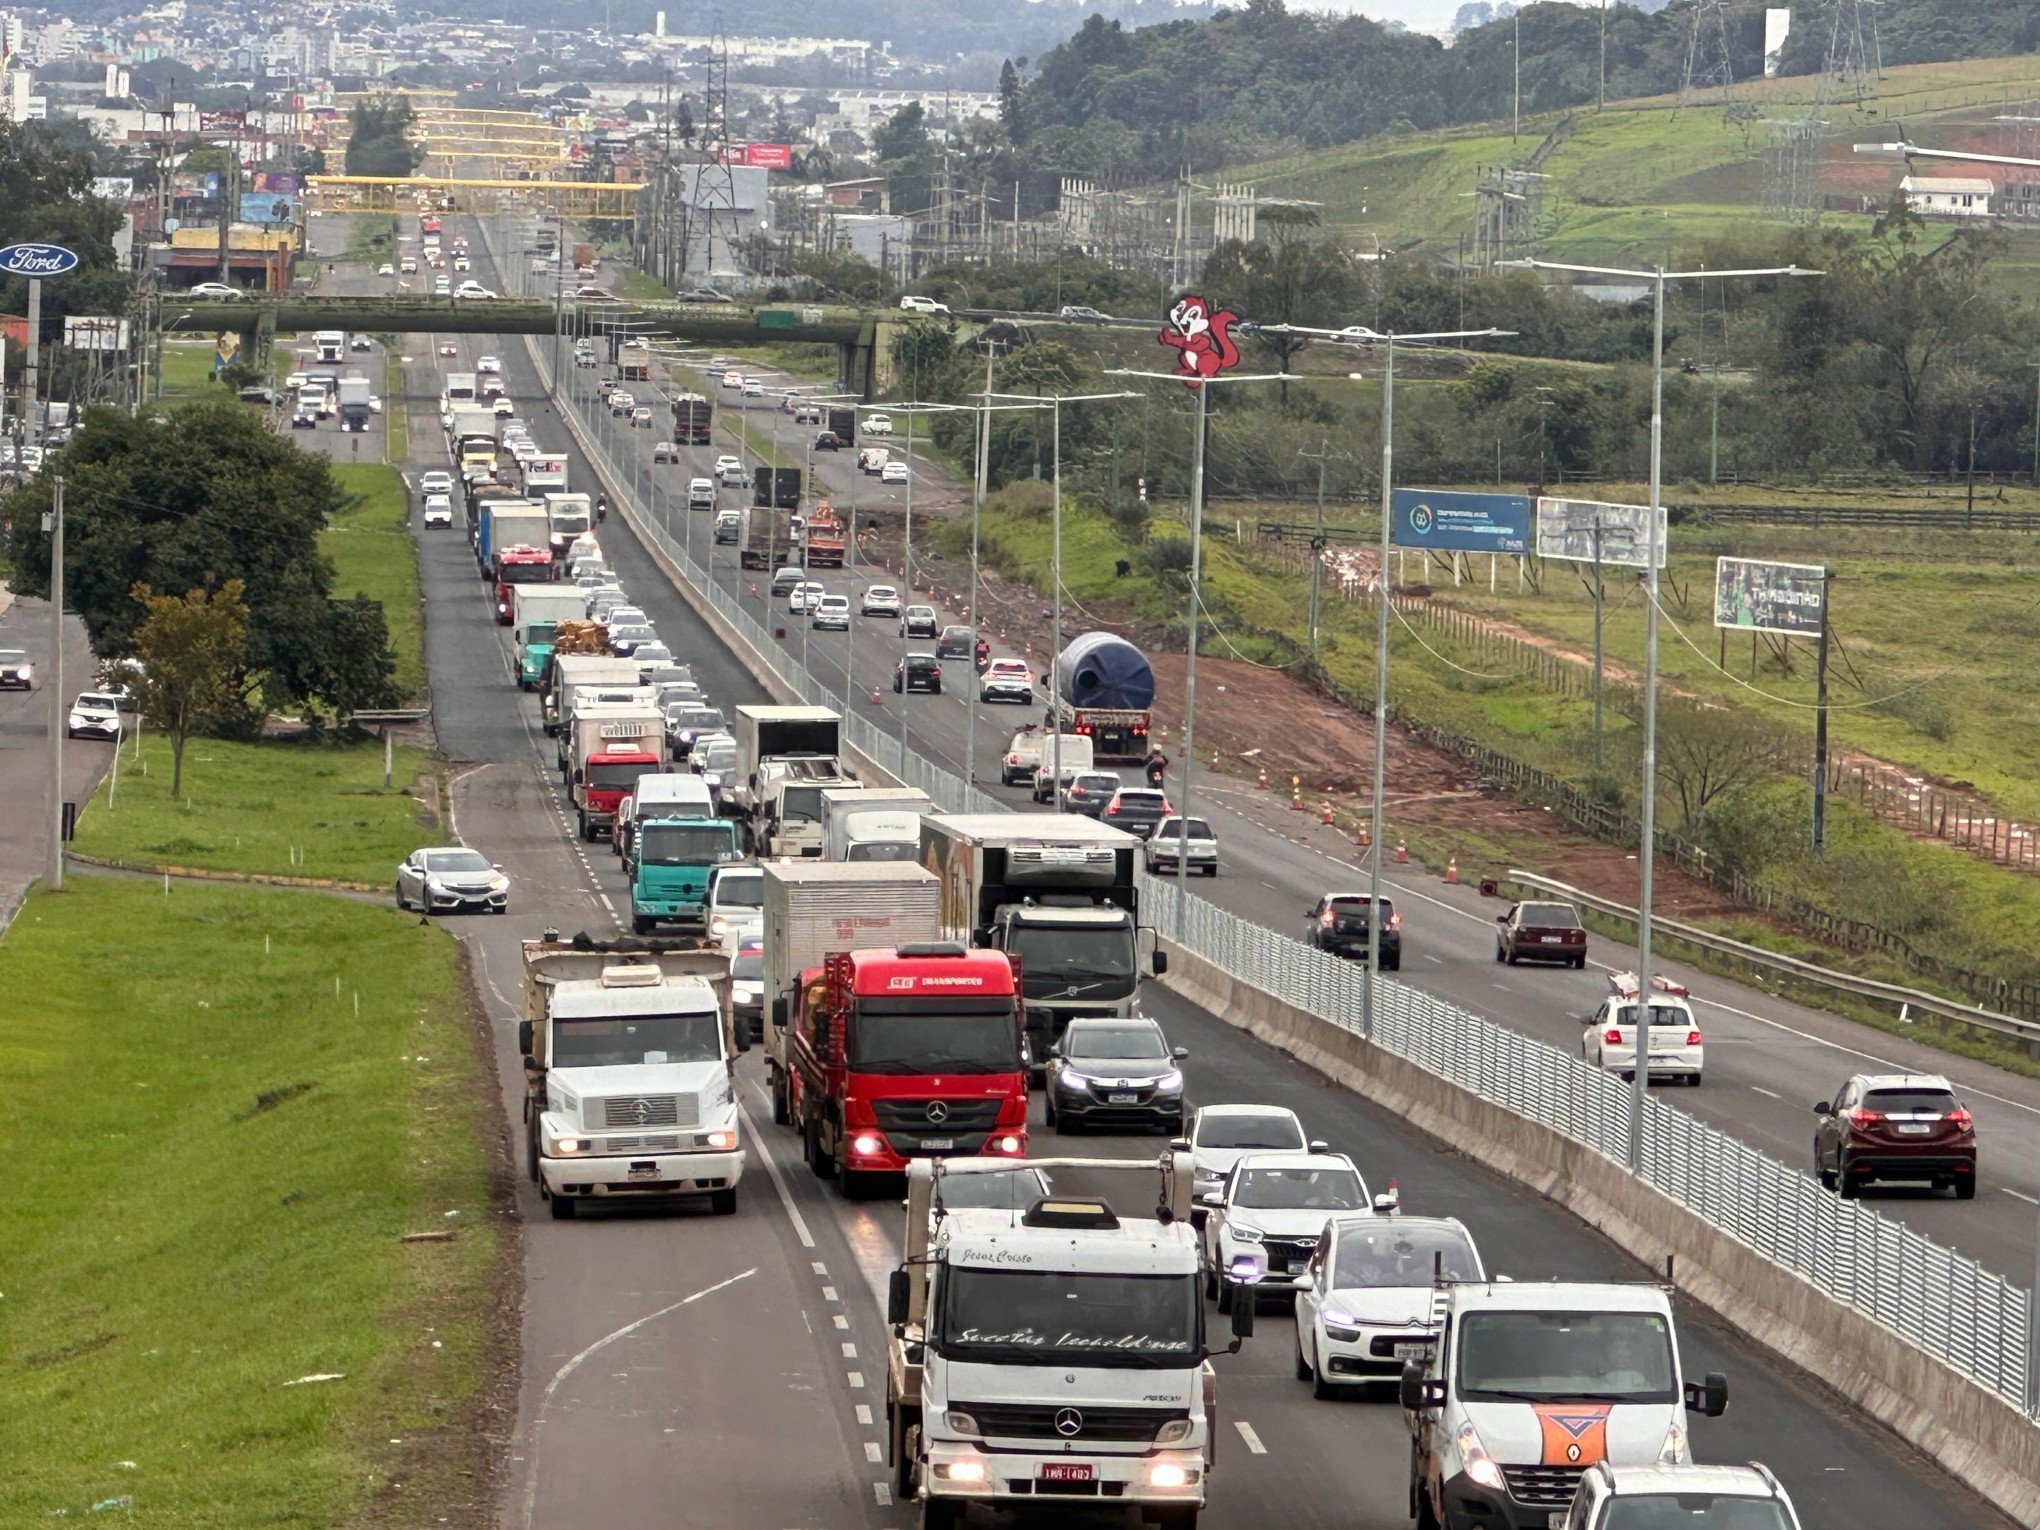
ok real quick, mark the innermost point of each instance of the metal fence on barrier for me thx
(1949, 1305)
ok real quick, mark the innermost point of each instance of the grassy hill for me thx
(1643, 176)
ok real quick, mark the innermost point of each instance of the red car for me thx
(1541, 932)
(1887, 1126)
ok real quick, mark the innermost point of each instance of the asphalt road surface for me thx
(735, 1365)
(25, 721)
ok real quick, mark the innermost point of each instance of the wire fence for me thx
(1947, 1304)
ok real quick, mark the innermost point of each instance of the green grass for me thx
(277, 808)
(207, 1199)
(396, 418)
(633, 285)
(373, 554)
(363, 229)
(187, 370)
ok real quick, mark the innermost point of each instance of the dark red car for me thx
(1541, 932)
(1892, 1126)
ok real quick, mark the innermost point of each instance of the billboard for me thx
(113, 188)
(265, 207)
(769, 156)
(94, 333)
(1789, 599)
(1440, 521)
(222, 123)
(1566, 529)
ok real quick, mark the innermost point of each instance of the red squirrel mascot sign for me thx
(1202, 339)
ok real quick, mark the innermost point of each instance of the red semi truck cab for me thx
(519, 565)
(910, 1052)
(604, 781)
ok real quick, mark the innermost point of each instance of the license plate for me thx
(1552, 940)
(1411, 1349)
(1298, 1266)
(1121, 1099)
(1914, 1128)
(1663, 1057)
(643, 1171)
(1066, 1471)
(938, 1144)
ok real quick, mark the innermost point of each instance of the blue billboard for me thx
(265, 207)
(1439, 520)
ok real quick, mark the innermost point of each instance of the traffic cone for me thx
(1264, 778)
(1326, 816)
(1360, 840)
(1295, 794)
(1402, 856)
(1452, 869)
(876, 700)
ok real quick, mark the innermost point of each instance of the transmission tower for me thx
(715, 182)
(1709, 62)
(1846, 74)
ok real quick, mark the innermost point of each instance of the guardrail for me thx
(1946, 1304)
(1905, 1000)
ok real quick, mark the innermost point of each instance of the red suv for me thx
(1886, 1126)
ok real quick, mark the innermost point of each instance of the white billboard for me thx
(1566, 528)
(96, 334)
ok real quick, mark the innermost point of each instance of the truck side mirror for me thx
(577, 775)
(524, 1037)
(1243, 1314)
(1413, 1392)
(1708, 1398)
(897, 1292)
(1161, 963)
(779, 1013)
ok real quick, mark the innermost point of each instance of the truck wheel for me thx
(583, 818)
(1177, 1517)
(905, 1425)
(823, 1164)
(852, 1187)
(1047, 1107)
(1420, 1504)
(780, 1113)
(640, 926)
(1225, 1296)
(563, 1207)
(723, 1203)
(531, 1151)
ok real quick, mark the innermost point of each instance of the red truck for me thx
(519, 565)
(907, 1052)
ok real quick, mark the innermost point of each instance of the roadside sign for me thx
(1566, 528)
(1440, 521)
(1789, 599)
(37, 260)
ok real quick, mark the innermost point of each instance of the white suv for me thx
(1612, 1496)
(1675, 1048)
(913, 304)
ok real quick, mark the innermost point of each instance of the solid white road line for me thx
(757, 1138)
(1247, 1433)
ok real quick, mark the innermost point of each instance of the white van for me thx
(1030, 746)
(667, 795)
(1527, 1385)
(1075, 755)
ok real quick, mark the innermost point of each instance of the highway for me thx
(1768, 1060)
(678, 1368)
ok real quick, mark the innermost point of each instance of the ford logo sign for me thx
(37, 260)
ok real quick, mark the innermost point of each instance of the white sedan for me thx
(1007, 680)
(831, 613)
(729, 469)
(436, 482)
(216, 290)
(438, 511)
(1270, 1211)
(94, 715)
(893, 472)
(806, 597)
(472, 290)
(489, 364)
(1364, 1307)
(880, 600)
(1676, 1048)
(753, 388)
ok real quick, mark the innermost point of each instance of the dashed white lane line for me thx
(1247, 1433)
(1759, 1089)
(818, 1267)
(883, 1493)
(874, 1452)
(842, 1321)
(829, 1294)
(849, 1351)
(2020, 1195)
(864, 1413)
(856, 1380)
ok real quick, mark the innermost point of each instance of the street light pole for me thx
(977, 510)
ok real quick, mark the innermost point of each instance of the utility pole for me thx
(2035, 365)
(1601, 77)
(1969, 474)
(1516, 97)
(55, 878)
(1820, 720)
(1597, 642)
(1322, 457)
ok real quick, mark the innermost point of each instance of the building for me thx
(1948, 196)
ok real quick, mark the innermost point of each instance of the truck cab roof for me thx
(591, 998)
(1558, 1295)
(995, 1239)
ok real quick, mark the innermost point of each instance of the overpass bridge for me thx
(855, 334)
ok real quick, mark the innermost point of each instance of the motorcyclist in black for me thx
(1157, 767)
(601, 508)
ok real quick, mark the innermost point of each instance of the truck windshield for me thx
(935, 1036)
(536, 633)
(527, 573)
(1555, 1356)
(686, 844)
(1029, 1317)
(802, 802)
(1682, 1511)
(1074, 961)
(882, 850)
(607, 1041)
(609, 777)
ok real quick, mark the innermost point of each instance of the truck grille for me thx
(640, 1144)
(1542, 1486)
(628, 1111)
(1037, 1421)
(964, 1124)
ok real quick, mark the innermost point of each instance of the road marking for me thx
(1765, 1092)
(849, 1351)
(800, 1227)
(842, 1321)
(1501, 987)
(819, 1268)
(1247, 1433)
(829, 1294)
(883, 1494)
(559, 1376)
(864, 1413)
(873, 1452)
(1434, 961)
(856, 1380)
(2020, 1195)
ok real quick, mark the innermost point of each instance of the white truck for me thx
(1032, 751)
(774, 732)
(355, 408)
(536, 610)
(1052, 1349)
(1529, 1384)
(628, 1051)
(872, 823)
(545, 474)
(576, 674)
(1059, 893)
(568, 516)
(815, 907)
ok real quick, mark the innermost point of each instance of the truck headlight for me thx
(960, 1423)
(1176, 1431)
(962, 1471)
(721, 1142)
(1479, 1465)
(568, 1146)
(866, 1143)
(1167, 1474)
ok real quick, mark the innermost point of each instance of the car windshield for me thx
(607, 1042)
(1694, 1511)
(1548, 916)
(676, 844)
(1386, 1254)
(1660, 1015)
(456, 860)
(721, 755)
(1554, 1356)
(1099, 783)
(1074, 961)
(749, 964)
(1114, 1041)
(1356, 908)
(1141, 802)
(95, 703)
(1199, 829)
(1277, 1132)
(1299, 1189)
(1038, 1317)
(935, 1036)
(745, 891)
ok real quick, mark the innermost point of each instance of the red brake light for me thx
(1960, 1118)
(1112, 809)
(1692, 1038)
(1613, 1037)
(1326, 918)
(1864, 1117)
(1395, 921)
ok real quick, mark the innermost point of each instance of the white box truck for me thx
(574, 674)
(872, 823)
(815, 907)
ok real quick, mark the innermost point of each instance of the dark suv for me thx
(1885, 1126)
(1087, 792)
(1338, 924)
(956, 642)
(1136, 809)
(918, 672)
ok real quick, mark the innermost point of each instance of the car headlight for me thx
(1340, 1324)
(1478, 1464)
(1170, 1082)
(1072, 1076)
(1674, 1451)
(434, 885)
(1245, 1231)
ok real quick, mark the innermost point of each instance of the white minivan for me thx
(666, 795)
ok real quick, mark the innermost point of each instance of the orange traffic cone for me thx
(1326, 816)
(1264, 778)
(875, 698)
(1402, 856)
(1360, 840)
(1295, 794)
(1452, 869)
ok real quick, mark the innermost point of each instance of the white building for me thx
(1948, 196)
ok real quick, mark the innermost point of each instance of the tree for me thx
(210, 494)
(1010, 109)
(44, 195)
(683, 120)
(902, 135)
(191, 651)
(379, 142)
(1706, 753)
(1286, 277)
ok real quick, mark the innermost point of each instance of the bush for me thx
(1166, 560)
